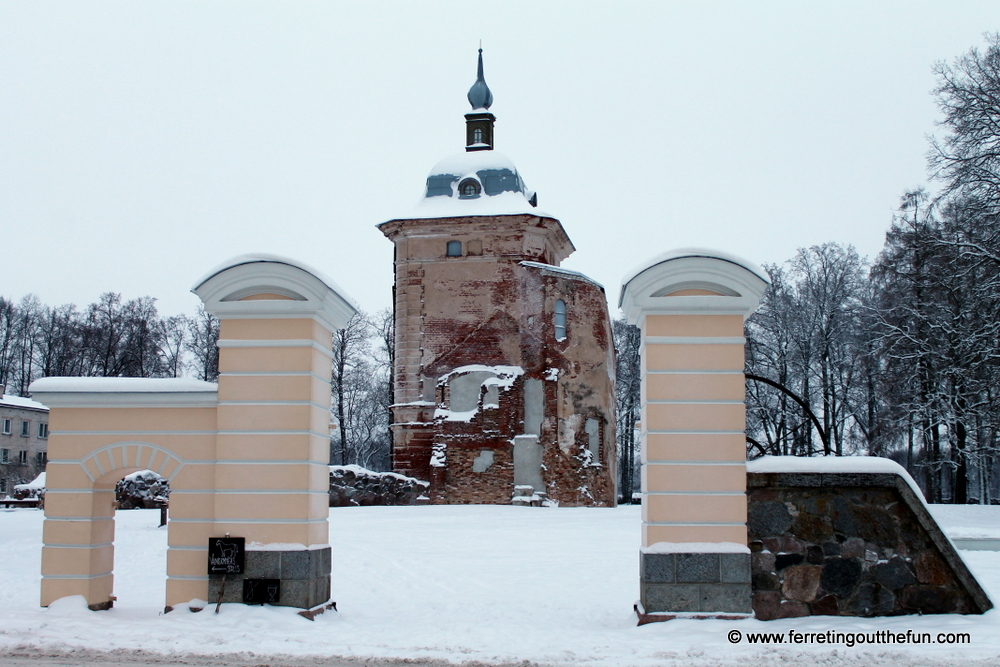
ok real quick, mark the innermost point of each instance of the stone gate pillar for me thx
(690, 306)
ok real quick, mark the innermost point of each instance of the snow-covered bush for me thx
(33, 489)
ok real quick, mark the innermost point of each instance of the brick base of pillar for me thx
(700, 583)
(304, 577)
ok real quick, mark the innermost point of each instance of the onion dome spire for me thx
(480, 96)
(479, 121)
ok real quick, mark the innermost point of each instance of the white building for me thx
(24, 432)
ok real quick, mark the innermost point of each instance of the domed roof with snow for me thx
(479, 181)
(470, 182)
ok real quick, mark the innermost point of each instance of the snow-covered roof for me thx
(21, 402)
(501, 189)
(266, 257)
(678, 253)
(130, 385)
(72, 392)
(558, 269)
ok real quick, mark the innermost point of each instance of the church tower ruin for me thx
(504, 362)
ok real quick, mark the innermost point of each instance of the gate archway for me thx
(245, 457)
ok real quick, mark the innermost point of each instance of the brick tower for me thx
(504, 363)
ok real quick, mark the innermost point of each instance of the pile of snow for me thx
(143, 489)
(480, 584)
(353, 486)
(832, 464)
(33, 489)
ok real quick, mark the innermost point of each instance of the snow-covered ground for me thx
(457, 583)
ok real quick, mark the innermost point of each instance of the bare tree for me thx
(628, 341)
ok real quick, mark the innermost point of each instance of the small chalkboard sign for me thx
(261, 591)
(226, 555)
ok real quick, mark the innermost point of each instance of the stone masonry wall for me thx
(858, 544)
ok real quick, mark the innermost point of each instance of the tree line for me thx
(897, 357)
(111, 337)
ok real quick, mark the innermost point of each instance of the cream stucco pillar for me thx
(690, 306)
(272, 481)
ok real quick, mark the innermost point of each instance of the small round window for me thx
(469, 188)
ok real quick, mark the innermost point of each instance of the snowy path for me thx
(489, 584)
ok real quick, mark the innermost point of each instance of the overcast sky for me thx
(141, 144)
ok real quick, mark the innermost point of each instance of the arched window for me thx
(477, 135)
(560, 320)
(468, 188)
(454, 249)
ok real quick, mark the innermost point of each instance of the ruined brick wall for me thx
(850, 545)
(488, 308)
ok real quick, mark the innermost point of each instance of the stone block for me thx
(841, 576)
(233, 588)
(657, 598)
(766, 604)
(931, 569)
(262, 565)
(734, 568)
(825, 606)
(767, 519)
(296, 564)
(695, 568)
(801, 582)
(765, 581)
(657, 568)
(728, 598)
(297, 593)
(870, 600)
(893, 574)
(781, 561)
(929, 599)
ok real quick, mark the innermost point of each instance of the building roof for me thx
(6, 400)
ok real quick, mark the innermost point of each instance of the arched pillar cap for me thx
(738, 283)
(262, 286)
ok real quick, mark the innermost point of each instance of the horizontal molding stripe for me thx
(696, 493)
(276, 403)
(695, 371)
(691, 432)
(177, 432)
(273, 374)
(188, 577)
(288, 522)
(694, 401)
(660, 462)
(186, 547)
(248, 492)
(79, 518)
(76, 576)
(55, 491)
(696, 340)
(253, 462)
(303, 431)
(78, 546)
(706, 524)
(301, 342)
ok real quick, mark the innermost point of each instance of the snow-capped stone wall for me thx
(143, 489)
(352, 486)
(851, 539)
